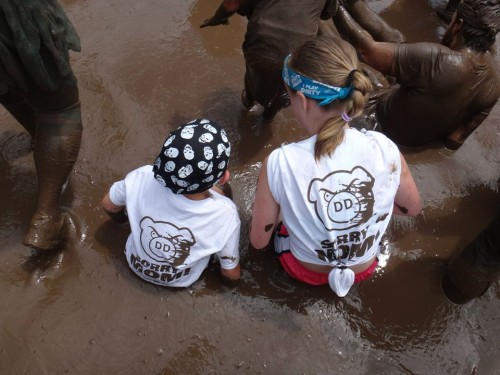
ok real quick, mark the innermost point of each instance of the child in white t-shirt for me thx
(178, 218)
(330, 197)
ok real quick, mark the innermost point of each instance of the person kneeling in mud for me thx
(444, 91)
(330, 197)
(274, 28)
(178, 218)
(39, 89)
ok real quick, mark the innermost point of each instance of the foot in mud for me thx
(45, 233)
(44, 265)
(14, 145)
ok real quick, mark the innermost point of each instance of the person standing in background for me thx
(39, 89)
(274, 28)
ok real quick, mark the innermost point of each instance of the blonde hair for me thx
(332, 61)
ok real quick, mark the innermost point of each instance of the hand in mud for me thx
(119, 217)
(214, 21)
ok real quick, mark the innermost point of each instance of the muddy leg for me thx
(246, 95)
(269, 112)
(278, 103)
(56, 147)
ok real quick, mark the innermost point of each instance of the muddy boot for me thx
(56, 148)
(473, 270)
(46, 232)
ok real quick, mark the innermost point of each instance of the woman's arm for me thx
(379, 55)
(221, 17)
(407, 200)
(265, 212)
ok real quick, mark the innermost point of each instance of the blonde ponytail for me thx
(334, 62)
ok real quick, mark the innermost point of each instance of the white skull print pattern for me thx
(193, 157)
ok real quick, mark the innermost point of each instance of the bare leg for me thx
(56, 147)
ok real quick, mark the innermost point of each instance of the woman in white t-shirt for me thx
(330, 197)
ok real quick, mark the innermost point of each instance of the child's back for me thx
(177, 220)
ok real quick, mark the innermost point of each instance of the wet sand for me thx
(144, 68)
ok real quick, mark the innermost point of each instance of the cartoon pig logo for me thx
(343, 199)
(164, 242)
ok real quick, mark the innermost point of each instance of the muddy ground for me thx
(144, 68)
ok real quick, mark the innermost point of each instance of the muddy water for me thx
(145, 67)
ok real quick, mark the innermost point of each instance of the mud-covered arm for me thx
(222, 14)
(407, 200)
(265, 212)
(380, 30)
(116, 213)
(379, 55)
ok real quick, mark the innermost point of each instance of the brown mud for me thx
(145, 66)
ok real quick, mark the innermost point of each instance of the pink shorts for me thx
(295, 269)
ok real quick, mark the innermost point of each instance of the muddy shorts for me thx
(35, 37)
(296, 270)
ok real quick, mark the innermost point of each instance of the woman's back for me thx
(338, 207)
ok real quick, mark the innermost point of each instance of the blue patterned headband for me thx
(311, 88)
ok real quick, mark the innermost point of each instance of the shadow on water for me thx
(401, 309)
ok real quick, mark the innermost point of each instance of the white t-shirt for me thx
(172, 236)
(336, 209)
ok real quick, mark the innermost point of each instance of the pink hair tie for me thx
(346, 117)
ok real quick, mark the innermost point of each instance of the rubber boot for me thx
(56, 147)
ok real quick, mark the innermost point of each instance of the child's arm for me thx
(379, 55)
(229, 256)
(265, 212)
(116, 213)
